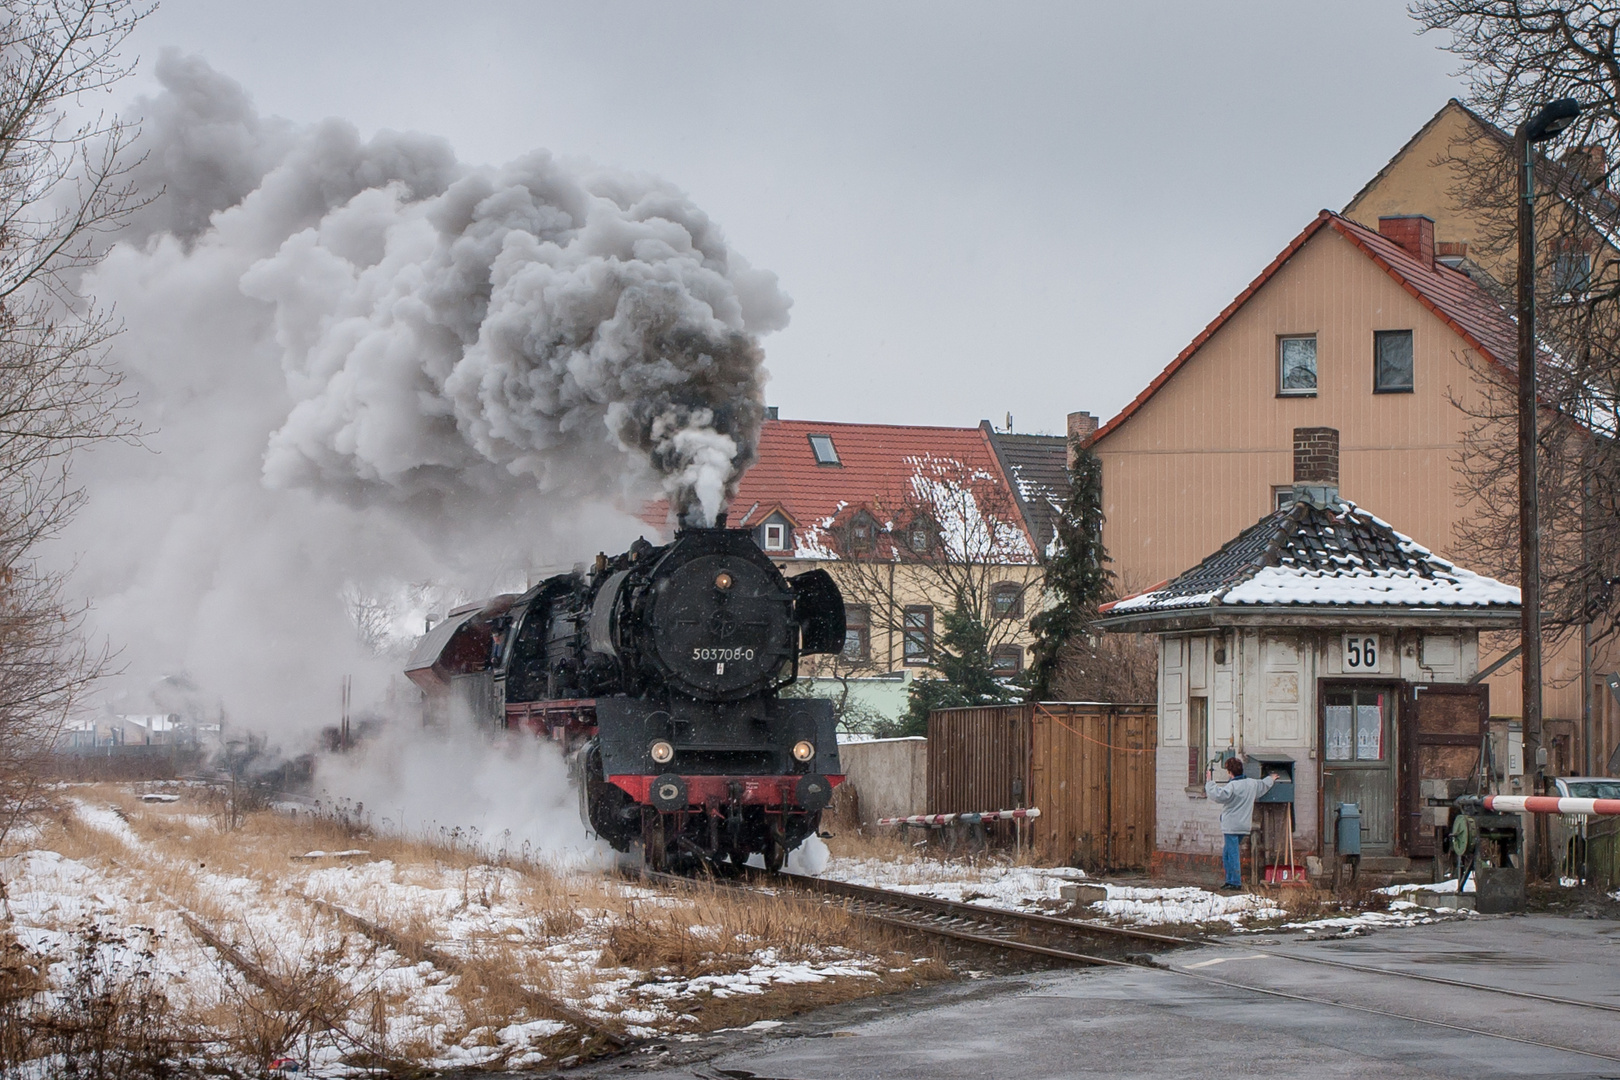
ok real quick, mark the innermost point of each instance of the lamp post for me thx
(1545, 124)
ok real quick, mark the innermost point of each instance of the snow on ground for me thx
(555, 933)
(1184, 905)
(1439, 887)
(1015, 888)
(54, 901)
(1032, 888)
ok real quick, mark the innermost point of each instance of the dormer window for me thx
(920, 535)
(776, 532)
(860, 535)
(822, 447)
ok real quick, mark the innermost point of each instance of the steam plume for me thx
(533, 320)
(364, 362)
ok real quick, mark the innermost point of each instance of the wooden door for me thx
(1358, 758)
(1443, 726)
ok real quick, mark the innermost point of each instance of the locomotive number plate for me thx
(722, 654)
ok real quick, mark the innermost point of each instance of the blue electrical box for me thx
(1260, 766)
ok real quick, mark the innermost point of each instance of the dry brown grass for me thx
(890, 843)
(1305, 902)
(546, 916)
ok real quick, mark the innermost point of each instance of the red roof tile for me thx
(877, 470)
(1452, 295)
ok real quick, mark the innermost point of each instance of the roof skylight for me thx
(822, 447)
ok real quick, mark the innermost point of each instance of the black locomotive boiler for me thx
(661, 672)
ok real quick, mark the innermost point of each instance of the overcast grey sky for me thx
(977, 209)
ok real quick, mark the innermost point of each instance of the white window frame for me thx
(776, 536)
(1316, 366)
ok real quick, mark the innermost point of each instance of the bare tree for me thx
(1519, 56)
(952, 538)
(64, 188)
(1117, 667)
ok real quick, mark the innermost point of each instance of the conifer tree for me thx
(962, 656)
(1077, 577)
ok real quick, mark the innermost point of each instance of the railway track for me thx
(1063, 939)
(1071, 940)
(597, 1038)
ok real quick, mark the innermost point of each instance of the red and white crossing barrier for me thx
(965, 819)
(1546, 804)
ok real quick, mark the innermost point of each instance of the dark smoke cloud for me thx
(444, 326)
(366, 364)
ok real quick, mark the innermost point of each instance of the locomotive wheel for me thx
(775, 854)
(653, 851)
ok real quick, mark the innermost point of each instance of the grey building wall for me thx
(890, 776)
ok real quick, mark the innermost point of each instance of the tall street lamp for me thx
(1545, 124)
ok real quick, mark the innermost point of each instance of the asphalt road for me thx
(1141, 1022)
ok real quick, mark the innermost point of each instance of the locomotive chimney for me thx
(720, 520)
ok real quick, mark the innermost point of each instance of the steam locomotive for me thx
(661, 671)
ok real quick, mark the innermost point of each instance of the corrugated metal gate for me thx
(1089, 767)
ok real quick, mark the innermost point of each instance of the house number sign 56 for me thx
(1361, 652)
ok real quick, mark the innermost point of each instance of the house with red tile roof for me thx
(1369, 333)
(907, 519)
(1430, 175)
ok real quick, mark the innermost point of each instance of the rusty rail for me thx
(421, 951)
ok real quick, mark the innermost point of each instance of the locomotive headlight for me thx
(722, 581)
(804, 750)
(662, 752)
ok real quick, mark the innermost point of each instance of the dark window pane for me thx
(1298, 365)
(1572, 273)
(1006, 600)
(1392, 363)
(919, 632)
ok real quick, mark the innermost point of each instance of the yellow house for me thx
(910, 521)
(1440, 172)
(1364, 330)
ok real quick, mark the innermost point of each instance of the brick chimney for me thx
(1316, 465)
(1414, 232)
(1082, 426)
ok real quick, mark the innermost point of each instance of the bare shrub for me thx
(286, 1002)
(21, 978)
(110, 1020)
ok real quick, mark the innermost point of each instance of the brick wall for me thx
(1316, 455)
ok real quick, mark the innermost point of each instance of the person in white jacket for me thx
(1236, 797)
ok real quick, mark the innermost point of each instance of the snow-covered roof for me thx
(152, 722)
(1038, 466)
(894, 474)
(1329, 559)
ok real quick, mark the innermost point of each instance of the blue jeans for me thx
(1231, 860)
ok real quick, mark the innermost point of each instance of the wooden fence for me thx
(1089, 767)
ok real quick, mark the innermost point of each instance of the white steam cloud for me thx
(363, 363)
